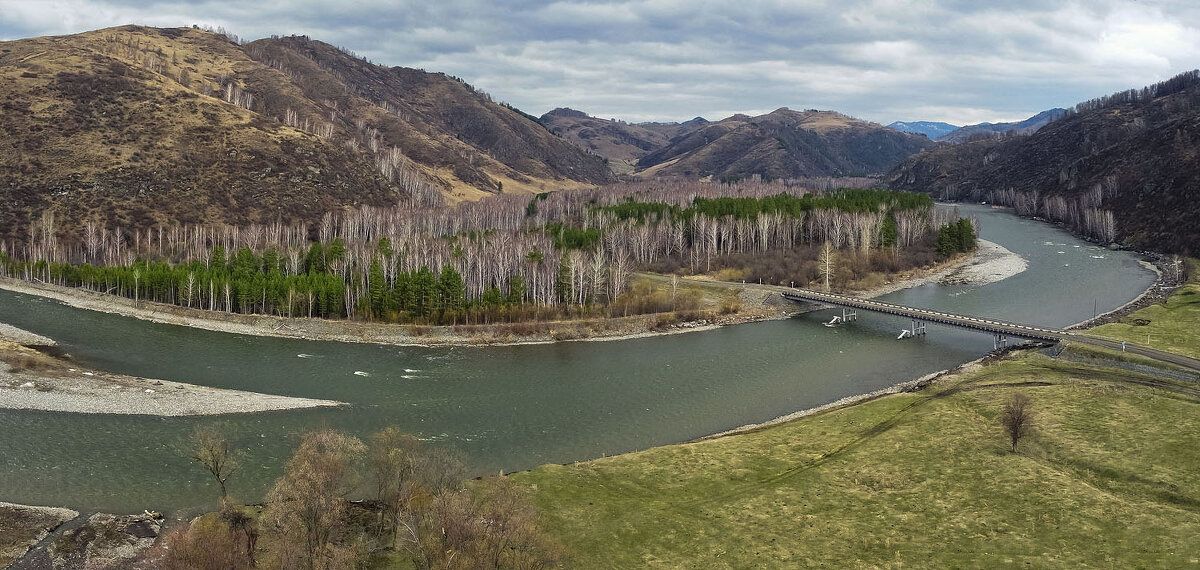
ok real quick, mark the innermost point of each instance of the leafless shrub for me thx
(1017, 418)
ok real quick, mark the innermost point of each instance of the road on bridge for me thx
(990, 325)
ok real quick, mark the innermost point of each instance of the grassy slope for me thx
(1172, 327)
(913, 479)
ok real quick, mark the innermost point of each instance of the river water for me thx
(510, 408)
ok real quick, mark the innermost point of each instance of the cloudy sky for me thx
(960, 61)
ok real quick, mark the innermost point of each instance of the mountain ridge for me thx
(1124, 168)
(931, 129)
(783, 144)
(138, 126)
(979, 130)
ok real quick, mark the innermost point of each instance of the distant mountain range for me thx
(620, 142)
(780, 144)
(931, 129)
(945, 132)
(1125, 167)
(996, 129)
(783, 144)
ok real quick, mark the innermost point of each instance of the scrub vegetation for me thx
(421, 513)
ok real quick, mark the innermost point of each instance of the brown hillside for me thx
(784, 144)
(135, 126)
(620, 142)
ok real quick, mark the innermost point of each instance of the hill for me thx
(137, 126)
(620, 142)
(982, 130)
(931, 129)
(784, 144)
(1124, 167)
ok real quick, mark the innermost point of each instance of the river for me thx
(510, 408)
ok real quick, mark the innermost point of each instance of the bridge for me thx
(1000, 329)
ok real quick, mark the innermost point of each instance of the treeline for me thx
(504, 258)
(1083, 213)
(1176, 84)
(851, 200)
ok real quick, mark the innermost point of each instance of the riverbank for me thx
(753, 303)
(35, 538)
(921, 478)
(31, 379)
(23, 526)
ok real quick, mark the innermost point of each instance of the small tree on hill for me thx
(1017, 418)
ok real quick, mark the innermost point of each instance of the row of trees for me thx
(474, 262)
(419, 510)
(1082, 213)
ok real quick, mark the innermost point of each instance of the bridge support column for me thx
(999, 340)
(849, 315)
(918, 327)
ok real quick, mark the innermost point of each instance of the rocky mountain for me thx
(783, 144)
(134, 126)
(983, 130)
(620, 142)
(931, 129)
(1125, 167)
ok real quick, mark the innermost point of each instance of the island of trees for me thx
(507, 258)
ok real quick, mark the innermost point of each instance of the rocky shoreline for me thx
(34, 538)
(1165, 284)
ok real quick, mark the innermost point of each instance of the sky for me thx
(959, 61)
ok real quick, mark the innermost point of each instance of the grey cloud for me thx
(954, 60)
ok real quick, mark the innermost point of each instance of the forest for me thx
(506, 258)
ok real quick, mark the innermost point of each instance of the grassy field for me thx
(911, 480)
(1171, 327)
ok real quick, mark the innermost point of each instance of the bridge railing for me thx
(963, 321)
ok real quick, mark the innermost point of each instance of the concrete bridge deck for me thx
(928, 315)
(990, 325)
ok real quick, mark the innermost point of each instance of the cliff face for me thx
(1133, 157)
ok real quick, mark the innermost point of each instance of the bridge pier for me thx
(918, 327)
(999, 340)
(849, 315)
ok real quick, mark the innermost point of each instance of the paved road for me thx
(1153, 353)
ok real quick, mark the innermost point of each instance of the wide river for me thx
(514, 407)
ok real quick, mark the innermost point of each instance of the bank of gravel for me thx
(23, 337)
(31, 380)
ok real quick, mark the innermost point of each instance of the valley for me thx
(350, 303)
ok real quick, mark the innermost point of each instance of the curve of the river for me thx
(511, 407)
